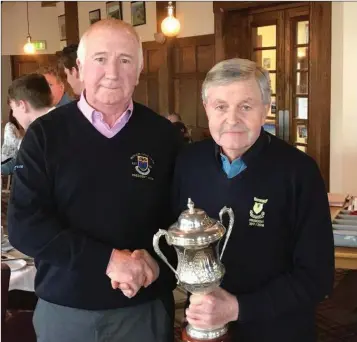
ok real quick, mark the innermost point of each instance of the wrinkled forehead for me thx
(235, 91)
(108, 39)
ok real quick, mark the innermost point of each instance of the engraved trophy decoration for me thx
(196, 238)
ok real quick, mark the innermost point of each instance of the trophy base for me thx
(191, 334)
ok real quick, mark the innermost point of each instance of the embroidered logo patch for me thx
(142, 164)
(257, 214)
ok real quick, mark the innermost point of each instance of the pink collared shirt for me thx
(96, 118)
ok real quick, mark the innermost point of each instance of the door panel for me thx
(267, 32)
(280, 44)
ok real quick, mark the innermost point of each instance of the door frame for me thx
(319, 66)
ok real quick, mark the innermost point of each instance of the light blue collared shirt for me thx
(234, 168)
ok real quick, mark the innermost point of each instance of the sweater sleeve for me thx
(311, 277)
(34, 225)
(8, 168)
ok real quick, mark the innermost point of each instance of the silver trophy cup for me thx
(196, 238)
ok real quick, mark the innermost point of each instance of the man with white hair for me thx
(90, 228)
(279, 259)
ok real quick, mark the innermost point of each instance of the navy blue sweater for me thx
(76, 195)
(280, 257)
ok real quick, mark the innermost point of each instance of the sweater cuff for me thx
(251, 307)
(110, 259)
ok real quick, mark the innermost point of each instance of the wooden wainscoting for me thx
(150, 91)
(172, 78)
(26, 64)
(193, 57)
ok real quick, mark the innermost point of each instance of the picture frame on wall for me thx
(138, 13)
(94, 16)
(114, 9)
(62, 27)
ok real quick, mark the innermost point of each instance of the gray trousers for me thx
(149, 322)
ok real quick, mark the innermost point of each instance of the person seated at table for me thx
(57, 85)
(68, 61)
(279, 259)
(174, 117)
(13, 134)
(29, 98)
(181, 127)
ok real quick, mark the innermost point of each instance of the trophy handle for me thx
(230, 213)
(157, 249)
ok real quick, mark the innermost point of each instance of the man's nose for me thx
(233, 117)
(112, 70)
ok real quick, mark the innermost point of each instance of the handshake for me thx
(130, 271)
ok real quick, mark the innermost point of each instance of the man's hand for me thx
(212, 310)
(129, 271)
(122, 268)
(143, 255)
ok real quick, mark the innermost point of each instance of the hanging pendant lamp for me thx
(29, 47)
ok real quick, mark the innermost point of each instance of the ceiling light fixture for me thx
(29, 47)
(170, 26)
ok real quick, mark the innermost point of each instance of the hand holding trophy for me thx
(196, 238)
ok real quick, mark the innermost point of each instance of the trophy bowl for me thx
(196, 239)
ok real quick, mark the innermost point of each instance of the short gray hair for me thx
(109, 23)
(177, 116)
(237, 69)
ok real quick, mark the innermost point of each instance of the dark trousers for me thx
(149, 322)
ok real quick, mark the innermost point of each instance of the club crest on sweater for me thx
(142, 164)
(257, 214)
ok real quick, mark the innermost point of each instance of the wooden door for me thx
(193, 57)
(266, 32)
(26, 64)
(303, 75)
(280, 44)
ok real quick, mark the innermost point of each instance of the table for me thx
(345, 257)
(23, 279)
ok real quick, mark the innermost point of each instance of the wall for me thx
(196, 18)
(47, 17)
(343, 151)
(43, 26)
(5, 82)
(146, 32)
(186, 12)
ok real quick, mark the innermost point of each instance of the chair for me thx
(6, 184)
(16, 325)
(5, 280)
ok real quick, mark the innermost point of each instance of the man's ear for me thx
(24, 106)
(266, 111)
(80, 69)
(74, 72)
(139, 72)
(205, 107)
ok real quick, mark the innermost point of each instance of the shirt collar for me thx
(251, 154)
(88, 111)
(64, 100)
